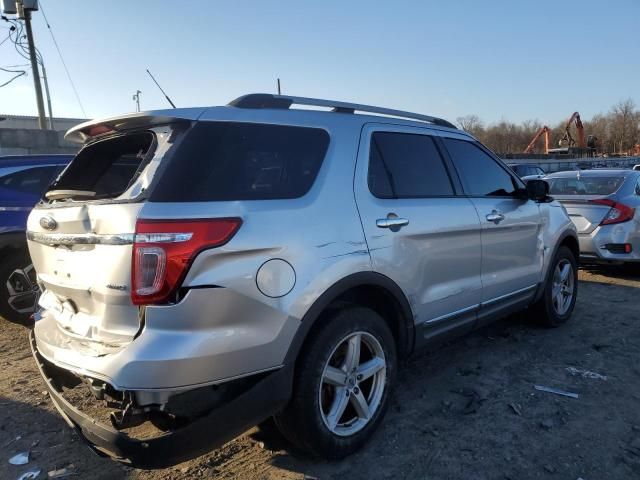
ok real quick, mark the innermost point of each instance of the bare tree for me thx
(618, 131)
(470, 123)
(624, 120)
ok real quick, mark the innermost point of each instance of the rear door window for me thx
(224, 161)
(480, 174)
(405, 165)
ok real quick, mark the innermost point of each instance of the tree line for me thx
(617, 131)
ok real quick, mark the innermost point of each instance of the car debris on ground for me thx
(21, 458)
(585, 373)
(557, 391)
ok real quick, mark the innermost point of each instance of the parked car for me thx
(265, 260)
(527, 171)
(604, 206)
(23, 179)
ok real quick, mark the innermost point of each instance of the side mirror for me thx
(537, 190)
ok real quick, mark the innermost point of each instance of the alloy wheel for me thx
(563, 287)
(352, 384)
(22, 289)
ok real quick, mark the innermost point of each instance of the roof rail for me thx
(267, 100)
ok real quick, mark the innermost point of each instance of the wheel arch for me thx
(568, 239)
(368, 289)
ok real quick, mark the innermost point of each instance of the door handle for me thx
(495, 216)
(391, 222)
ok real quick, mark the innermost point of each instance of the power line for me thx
(73, 86)
(20, 73)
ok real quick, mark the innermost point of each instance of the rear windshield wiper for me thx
(66, 194)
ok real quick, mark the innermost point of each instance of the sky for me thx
(511, 60)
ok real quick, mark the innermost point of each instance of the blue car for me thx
(23, 179)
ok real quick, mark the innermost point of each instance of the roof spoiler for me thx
(95, 128)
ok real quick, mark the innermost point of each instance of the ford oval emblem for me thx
(48, 223)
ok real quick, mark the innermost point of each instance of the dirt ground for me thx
(468, 410)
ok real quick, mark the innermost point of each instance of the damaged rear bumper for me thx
(202, 435)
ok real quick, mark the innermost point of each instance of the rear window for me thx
(222, 161)
(584, 185)
(107, 167)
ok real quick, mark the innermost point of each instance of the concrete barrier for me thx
(23, 141)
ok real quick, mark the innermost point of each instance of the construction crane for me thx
(544, 130)
(575, 118)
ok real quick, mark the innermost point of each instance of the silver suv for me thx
(204, 269)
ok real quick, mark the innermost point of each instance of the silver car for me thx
(204, 269)
(604, 206)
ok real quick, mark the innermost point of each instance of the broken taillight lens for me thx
(163, 251)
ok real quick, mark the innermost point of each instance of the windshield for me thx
(584, 185)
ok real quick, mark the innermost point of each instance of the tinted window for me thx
(221, 161)
(585, 185)
(31, 180)
(403, 165)
(480, 174)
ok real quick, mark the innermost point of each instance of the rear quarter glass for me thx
(227, 161)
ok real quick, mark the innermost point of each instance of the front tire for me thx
(560, 292)
(342, 384)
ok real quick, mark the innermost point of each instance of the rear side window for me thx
(480, 174)
(585, 185)
(224, 161)
(30, 180)
(107, 167)
(405, 165)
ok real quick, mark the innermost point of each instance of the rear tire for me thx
(18, 288)
(342, 385)
(560, 291)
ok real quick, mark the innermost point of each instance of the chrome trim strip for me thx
(453, 314)
(15, 209)
(480, 305)
(80, 238)
(508, 295)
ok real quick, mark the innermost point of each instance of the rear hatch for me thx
(583, 198)
(81, 233)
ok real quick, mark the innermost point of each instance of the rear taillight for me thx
(618, 213)
(163, 251)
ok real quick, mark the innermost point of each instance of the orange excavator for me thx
(570, 141)
(547, 133)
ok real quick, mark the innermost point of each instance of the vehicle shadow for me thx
(626, 271)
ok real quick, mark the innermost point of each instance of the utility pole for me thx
(46, 91)
(26, 14)
(136, 98)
